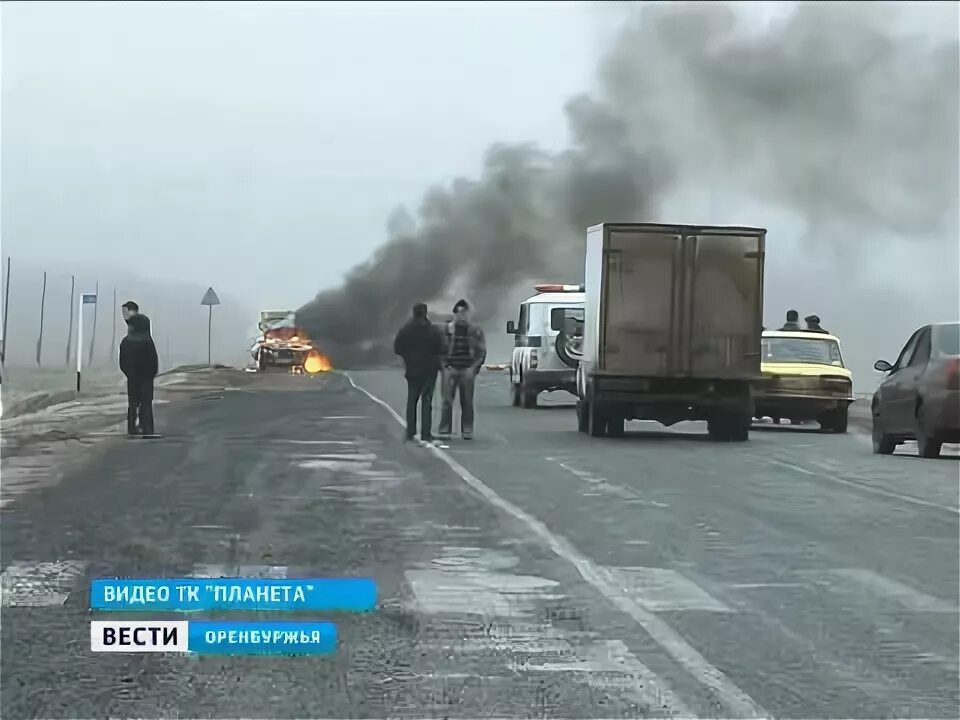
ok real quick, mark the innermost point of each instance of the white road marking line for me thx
(660, 589)
(604, 485)
(866, 488)
(203, 570)
(344, 417)
(316, 442)
(751, 586)
(355, 457)
(871, 583)
(735, 699)
(473, 583)
(612, 657)
(440, 592)
(335, 465)
(39, 584)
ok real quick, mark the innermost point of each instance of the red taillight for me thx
(953, 374)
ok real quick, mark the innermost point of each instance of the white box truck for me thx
(672, 326)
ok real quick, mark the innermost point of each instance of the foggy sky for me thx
(224, 142)
(263, 149)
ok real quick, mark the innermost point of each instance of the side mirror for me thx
(882, 366)
(511, 328)
(557, 318)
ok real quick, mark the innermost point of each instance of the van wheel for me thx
(528, 398)
(582, 419)
(883, 444)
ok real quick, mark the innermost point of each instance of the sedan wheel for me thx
(927, 446)
(882, 444)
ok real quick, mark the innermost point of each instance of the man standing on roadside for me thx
(420, 344)
(466, 351)
(139, 364)
(129, 309)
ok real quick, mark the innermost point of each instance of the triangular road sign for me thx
(210, 298)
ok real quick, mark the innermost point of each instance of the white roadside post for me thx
(85, 299)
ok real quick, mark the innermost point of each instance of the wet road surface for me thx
(533, 572)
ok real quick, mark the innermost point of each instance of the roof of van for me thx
(560, 298)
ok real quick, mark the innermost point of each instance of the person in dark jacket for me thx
(793, 321)
(813, 324)
(421, 346)
(129, 309)
(139, 363)
(466, 350)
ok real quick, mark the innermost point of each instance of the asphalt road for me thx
(532, 572)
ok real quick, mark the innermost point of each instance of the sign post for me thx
(210, 299)
(85, 299)
(6, 315)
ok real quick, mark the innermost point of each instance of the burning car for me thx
(282, 343)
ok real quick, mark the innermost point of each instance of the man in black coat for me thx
(421, 345)
(139, 363)
(793, 321)
(813, 324)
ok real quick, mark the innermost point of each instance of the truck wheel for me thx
(615, 423)
(730, 425)
(738, 427)
(514, 394)
(596, 421)
(582, 419)
(717, 426)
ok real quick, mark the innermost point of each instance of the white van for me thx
(539, 363)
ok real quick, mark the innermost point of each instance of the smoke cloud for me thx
(830, 114)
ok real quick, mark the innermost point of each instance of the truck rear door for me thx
(721, 333)
(682, 302)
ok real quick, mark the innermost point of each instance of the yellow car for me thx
(803, 379)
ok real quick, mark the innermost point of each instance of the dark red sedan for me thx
(920, 398)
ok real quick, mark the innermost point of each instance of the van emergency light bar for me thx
(559, 288)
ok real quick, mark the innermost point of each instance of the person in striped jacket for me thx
(466, 351)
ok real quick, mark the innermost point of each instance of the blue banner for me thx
(262, 594)
(262, 638)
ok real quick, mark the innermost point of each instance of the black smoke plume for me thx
(830, 113)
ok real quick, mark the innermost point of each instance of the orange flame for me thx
(316, 362)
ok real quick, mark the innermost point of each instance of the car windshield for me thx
(801, 350)
(948, 339)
